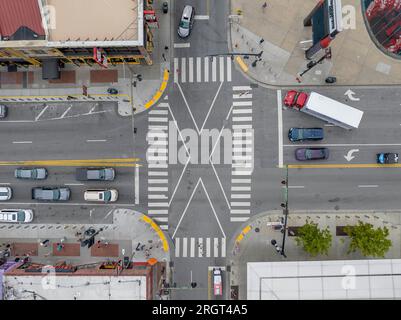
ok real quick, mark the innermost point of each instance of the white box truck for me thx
(324, 108)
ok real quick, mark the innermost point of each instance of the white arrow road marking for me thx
(350, 95)
(350, 156)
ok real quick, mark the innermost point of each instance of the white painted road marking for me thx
(198, 69)
(368, 186)
(22, 142)
(102, 140)
(191, 69)
(182, 45)
(280, 129)
(184, 247)
(201, 17)
(137, 185)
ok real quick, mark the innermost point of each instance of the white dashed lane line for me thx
(22, 142)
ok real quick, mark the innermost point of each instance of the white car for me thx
(186, 22)
(106, 195)
(217, 282)
(6, 193)
(16, 215)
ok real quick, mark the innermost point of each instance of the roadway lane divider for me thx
(118, 162)
(159, 232)
(160, 92)
(343, 166)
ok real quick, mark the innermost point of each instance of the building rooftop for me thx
(317, 280)
(93, 20)
(15, 15)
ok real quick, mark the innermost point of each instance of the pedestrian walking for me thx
(137, 247)
(166, 48)
(98, 243)
(264, 5)
(164, 57)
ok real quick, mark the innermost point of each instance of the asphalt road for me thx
(55, 136)
(65, 131)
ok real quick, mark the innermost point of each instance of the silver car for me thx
(6, 193)
(31, 173)
(186, 22)
(51, 194)
(16, 216)
(3, 111)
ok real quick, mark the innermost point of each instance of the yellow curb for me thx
(243, 233)
(342, 166)
(158, 231)
(159, 93)
(242, 64)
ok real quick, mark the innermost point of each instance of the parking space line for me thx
(41, 113)
(65, 112)
(201, 17)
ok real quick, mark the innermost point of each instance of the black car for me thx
(387, 158)
(304, 154)
(305, 134)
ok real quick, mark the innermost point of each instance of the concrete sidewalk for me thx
(355, 58)
(252, 241)
(129, 230)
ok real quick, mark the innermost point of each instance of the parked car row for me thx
(64, 193)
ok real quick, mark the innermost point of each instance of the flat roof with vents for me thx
(93, 23)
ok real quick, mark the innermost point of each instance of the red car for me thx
(295, 98)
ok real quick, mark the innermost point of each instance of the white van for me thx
(105, 195)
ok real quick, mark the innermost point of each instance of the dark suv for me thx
(303, 134)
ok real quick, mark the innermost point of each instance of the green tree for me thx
(368, 240)
(314, 240)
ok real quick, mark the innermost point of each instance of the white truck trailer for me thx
(332, 111)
